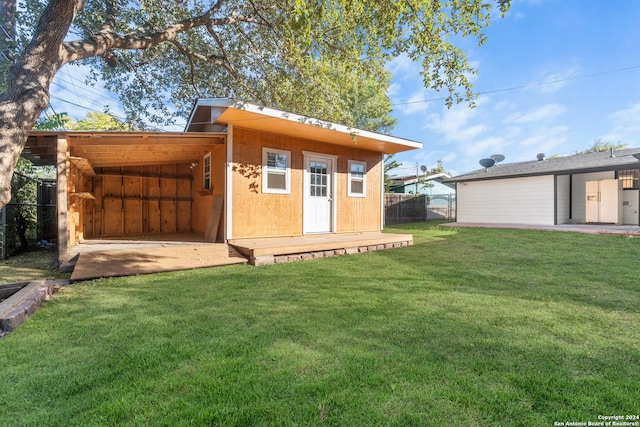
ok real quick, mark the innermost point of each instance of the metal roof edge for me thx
(296, 118)
(464, 178)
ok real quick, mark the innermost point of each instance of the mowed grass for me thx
(33, 265)
(469, 327)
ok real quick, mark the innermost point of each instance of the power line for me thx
(526, 86)
(88, 88)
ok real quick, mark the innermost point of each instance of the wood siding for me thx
(258, 214)
(202, 199)
(507, 201)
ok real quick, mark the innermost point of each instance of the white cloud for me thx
(416, 102)
(543, 140)
(503, 105)
(402, 67)
(549, 82)
(627, 120)
(626, 126)
(454, 124)
(545, 113)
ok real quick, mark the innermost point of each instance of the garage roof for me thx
(577, 163)
(225, 111)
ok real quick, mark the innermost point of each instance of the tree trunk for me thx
(27, 94)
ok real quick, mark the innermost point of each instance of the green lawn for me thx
(467, 327)
(33, 265)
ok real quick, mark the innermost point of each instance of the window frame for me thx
(206, 161)
(351, 178)
(630, 175)
(266, 170)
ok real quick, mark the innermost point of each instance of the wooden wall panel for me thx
(153, 216)
(256, 214)
(97, 208)
(113, 225)
(167, 216)
(140, 200)
(183, 189)
(202, 200)
(360, 213)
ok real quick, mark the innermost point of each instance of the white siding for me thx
(527, 200)
(630, 204)
(563, 196)
(580, 193)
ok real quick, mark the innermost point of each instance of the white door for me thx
(318, 202)
(592, 212)
(609, 201)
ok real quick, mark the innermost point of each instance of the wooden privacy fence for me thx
(401, 208)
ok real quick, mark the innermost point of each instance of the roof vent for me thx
(611, 152)
(540, 157)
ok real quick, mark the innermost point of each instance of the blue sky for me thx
(581, 44)
(590, 48)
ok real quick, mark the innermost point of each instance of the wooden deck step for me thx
(287, 249)
(314, 243)
(130, 262)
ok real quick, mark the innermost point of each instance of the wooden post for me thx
(62, 200)
(122, 195)
(175, 196)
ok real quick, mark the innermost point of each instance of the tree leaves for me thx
(299, 55)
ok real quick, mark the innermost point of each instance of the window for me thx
(206, 165)
(318, 179)
(629, 179)
(357, 179)
(276, 171)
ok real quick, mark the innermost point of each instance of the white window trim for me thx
(204, 172)
(265, 172)
(350, 179)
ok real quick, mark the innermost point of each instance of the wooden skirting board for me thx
(278, 250)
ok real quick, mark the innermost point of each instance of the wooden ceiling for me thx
(104, 149)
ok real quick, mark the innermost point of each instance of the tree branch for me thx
(107, 40)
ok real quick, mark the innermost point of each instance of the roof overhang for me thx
(570, 165)
(225, 111)
(107, 149)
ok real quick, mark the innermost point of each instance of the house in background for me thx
(241, 174)
(599, 187)
(429, 185)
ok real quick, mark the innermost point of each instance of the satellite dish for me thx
(487, 163)
(498, 158)
(637, 156)
(423, 168)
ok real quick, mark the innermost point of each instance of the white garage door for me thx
(507, 201)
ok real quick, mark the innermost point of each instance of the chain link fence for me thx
(401, 208)
(31, 224)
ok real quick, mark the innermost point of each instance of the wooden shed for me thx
(239, 172)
